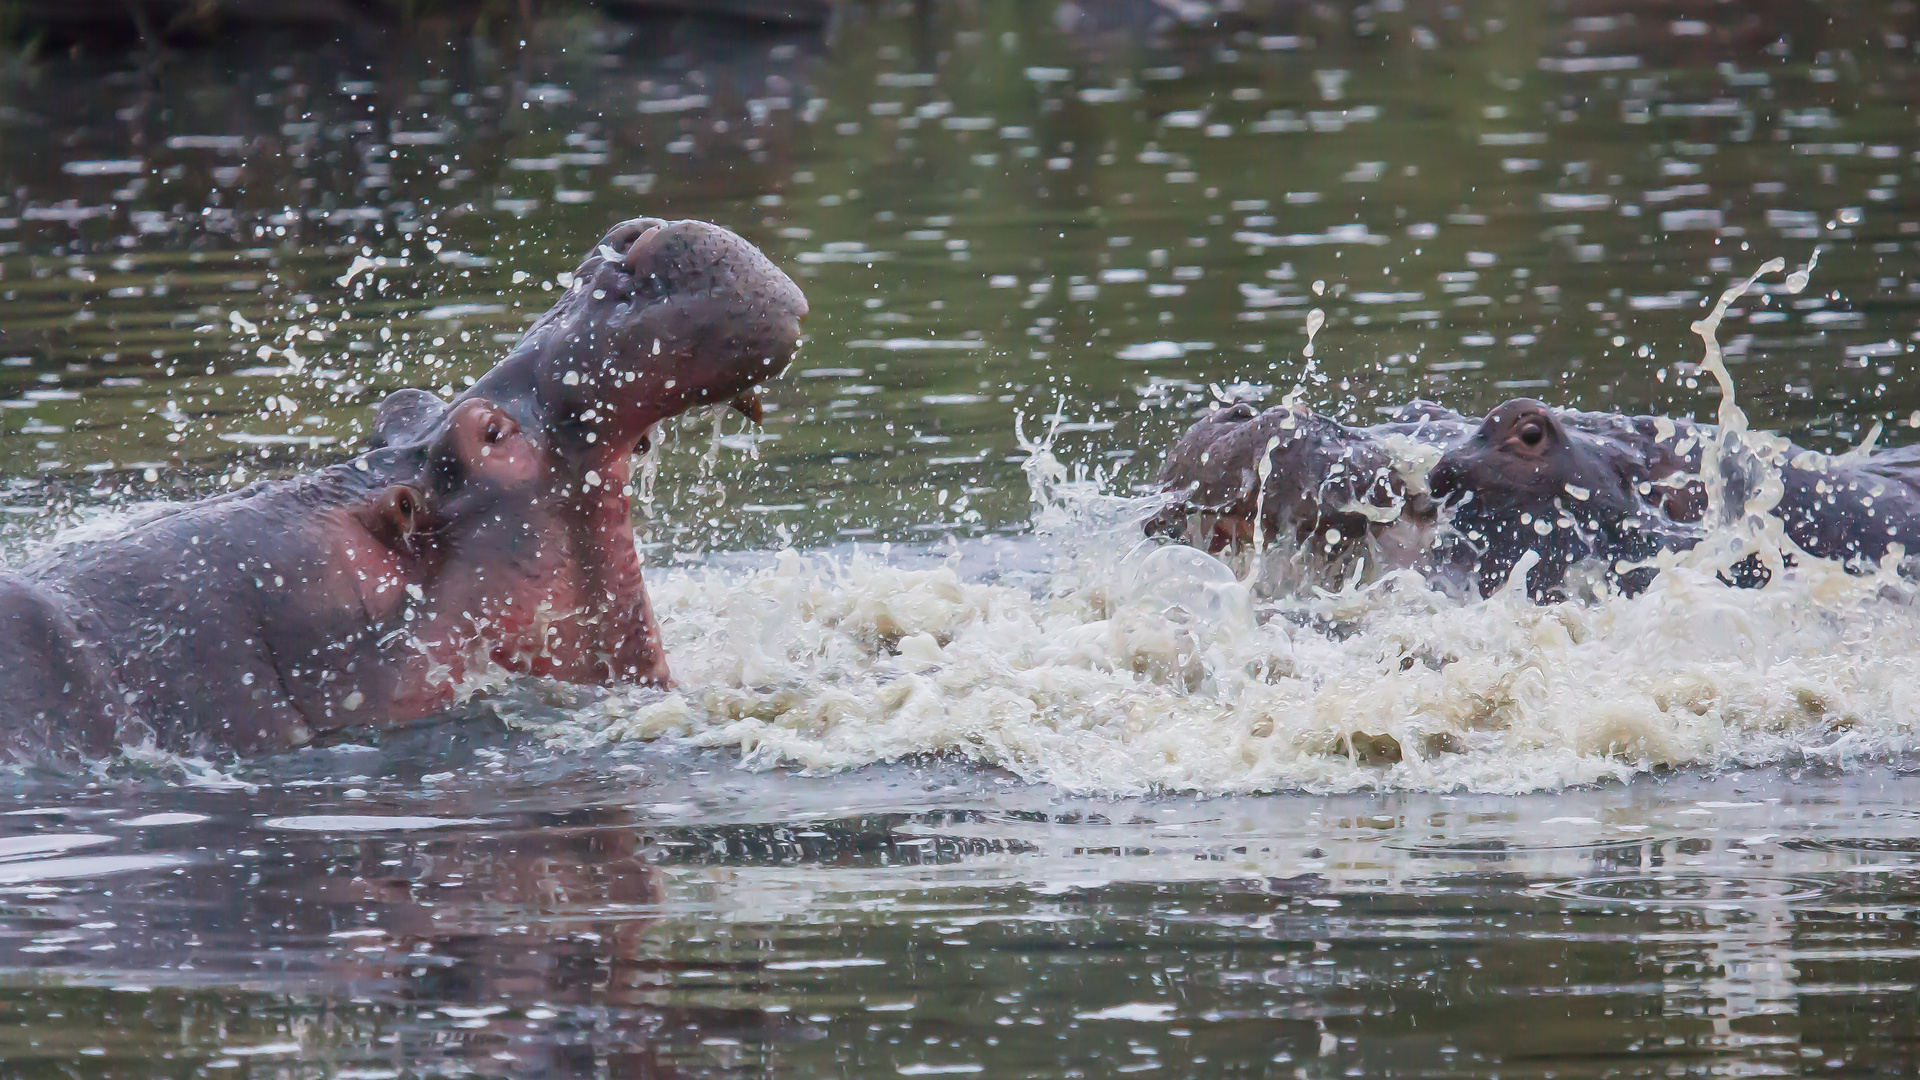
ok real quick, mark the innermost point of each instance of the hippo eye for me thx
(1532, 433)
(493, 433)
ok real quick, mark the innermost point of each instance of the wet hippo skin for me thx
(494, 528)
(1326, 478)
(1568, 485)
(1529, 460)
(1561, 485)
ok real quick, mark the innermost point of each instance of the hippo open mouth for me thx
(492, 529)
(661, 317)
(510, 505)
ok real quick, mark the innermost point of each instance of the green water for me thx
(989, 216)
(1094, 216)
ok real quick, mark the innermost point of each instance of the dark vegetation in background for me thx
(46, 26)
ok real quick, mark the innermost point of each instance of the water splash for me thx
(1265, 470)
(1740, 468)
(1310, 373)
(1126, 668)
(710, 459)
(647, 467)
(1708, 329)
(1797, 281)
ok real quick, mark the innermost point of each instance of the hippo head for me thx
(1321, 482)
(1527, 481)
(504, 515)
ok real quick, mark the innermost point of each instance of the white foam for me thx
(360, 823)
(1131, 668)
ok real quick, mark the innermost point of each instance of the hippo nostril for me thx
(633, 247)
(648, 288)
(622, 236)
(1532, 434)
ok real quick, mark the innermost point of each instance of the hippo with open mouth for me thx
(1560, 485)
(494, 529)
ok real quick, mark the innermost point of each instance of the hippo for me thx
(1325, 484)
(490, 530)
(1530, 483)
(1624, 488)
(1568, 486)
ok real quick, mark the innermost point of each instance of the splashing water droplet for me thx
(1709, 330)
(1265, 469)
(1315, 320)
(1737, 484)
(649, 467)
(1797, 281)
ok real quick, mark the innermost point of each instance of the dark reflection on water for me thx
(995, 206)
(691, 920)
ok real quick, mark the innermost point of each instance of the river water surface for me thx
(959, 779)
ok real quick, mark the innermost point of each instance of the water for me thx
(963, 783)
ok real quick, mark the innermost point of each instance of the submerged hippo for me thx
(494, 528)
(1625, 487)
(1324, 485)
(1567, 486)
(1560, 485)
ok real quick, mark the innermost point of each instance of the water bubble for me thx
(1180, 578)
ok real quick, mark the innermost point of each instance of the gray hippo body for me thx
(494, 529)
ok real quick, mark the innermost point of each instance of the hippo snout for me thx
(1447, 480)
(694, 259)
(662, 316)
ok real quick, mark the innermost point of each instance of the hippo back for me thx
(54, 674)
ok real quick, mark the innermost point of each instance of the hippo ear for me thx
(406, 417)
(394, 516)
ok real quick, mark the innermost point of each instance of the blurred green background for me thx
(1107, 212)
